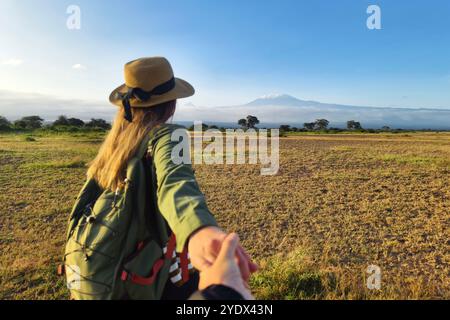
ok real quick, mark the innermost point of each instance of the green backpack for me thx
(116, 241)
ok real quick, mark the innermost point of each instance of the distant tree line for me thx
(248, 123)
(63, 123)
(207, 127)
(320, 125)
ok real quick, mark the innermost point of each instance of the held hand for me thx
(225, 270)
(204, 247)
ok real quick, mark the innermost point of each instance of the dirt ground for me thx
(338, 204)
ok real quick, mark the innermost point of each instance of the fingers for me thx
(243, 264)
(216, 245)
(252, 266)
(201, 264)
(211, 252)
(228, 249)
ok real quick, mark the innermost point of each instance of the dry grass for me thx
(338, 204)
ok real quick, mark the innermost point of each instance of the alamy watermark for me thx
(374, 20)
(229, 147)
(74, 20)
(374, 279)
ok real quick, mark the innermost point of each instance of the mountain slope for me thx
(281, 100)
(285, 109)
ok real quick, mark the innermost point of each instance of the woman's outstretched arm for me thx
(184, 206)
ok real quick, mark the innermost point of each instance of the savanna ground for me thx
(338, 204)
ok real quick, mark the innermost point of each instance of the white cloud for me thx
(14, 105)
(12, 62)
(79, 67)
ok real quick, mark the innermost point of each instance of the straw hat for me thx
(149, 82)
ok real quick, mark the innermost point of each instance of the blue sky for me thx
(234, 51)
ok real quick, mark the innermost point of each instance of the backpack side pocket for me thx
(145, 272)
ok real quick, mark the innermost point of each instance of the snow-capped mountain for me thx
(282, 100)
(286, 109)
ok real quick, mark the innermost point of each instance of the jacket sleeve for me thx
(180, 200)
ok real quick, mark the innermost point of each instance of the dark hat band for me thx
(142, 96)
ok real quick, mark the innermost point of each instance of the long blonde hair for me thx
(122, 142)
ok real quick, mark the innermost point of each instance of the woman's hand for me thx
(204, 247)
(225, 271)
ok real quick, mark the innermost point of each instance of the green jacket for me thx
(179, 198)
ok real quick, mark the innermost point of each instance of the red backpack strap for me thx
(184, 265)
(170, 247)
(146, 281)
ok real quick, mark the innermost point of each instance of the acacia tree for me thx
(75, 122)
(249, 123)
(31, 122)
(309, 125)
(61, 121)
(353, 125)
(252, 121)
(5, 124)
(98, 123)
(242, 123)
(321, 124)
